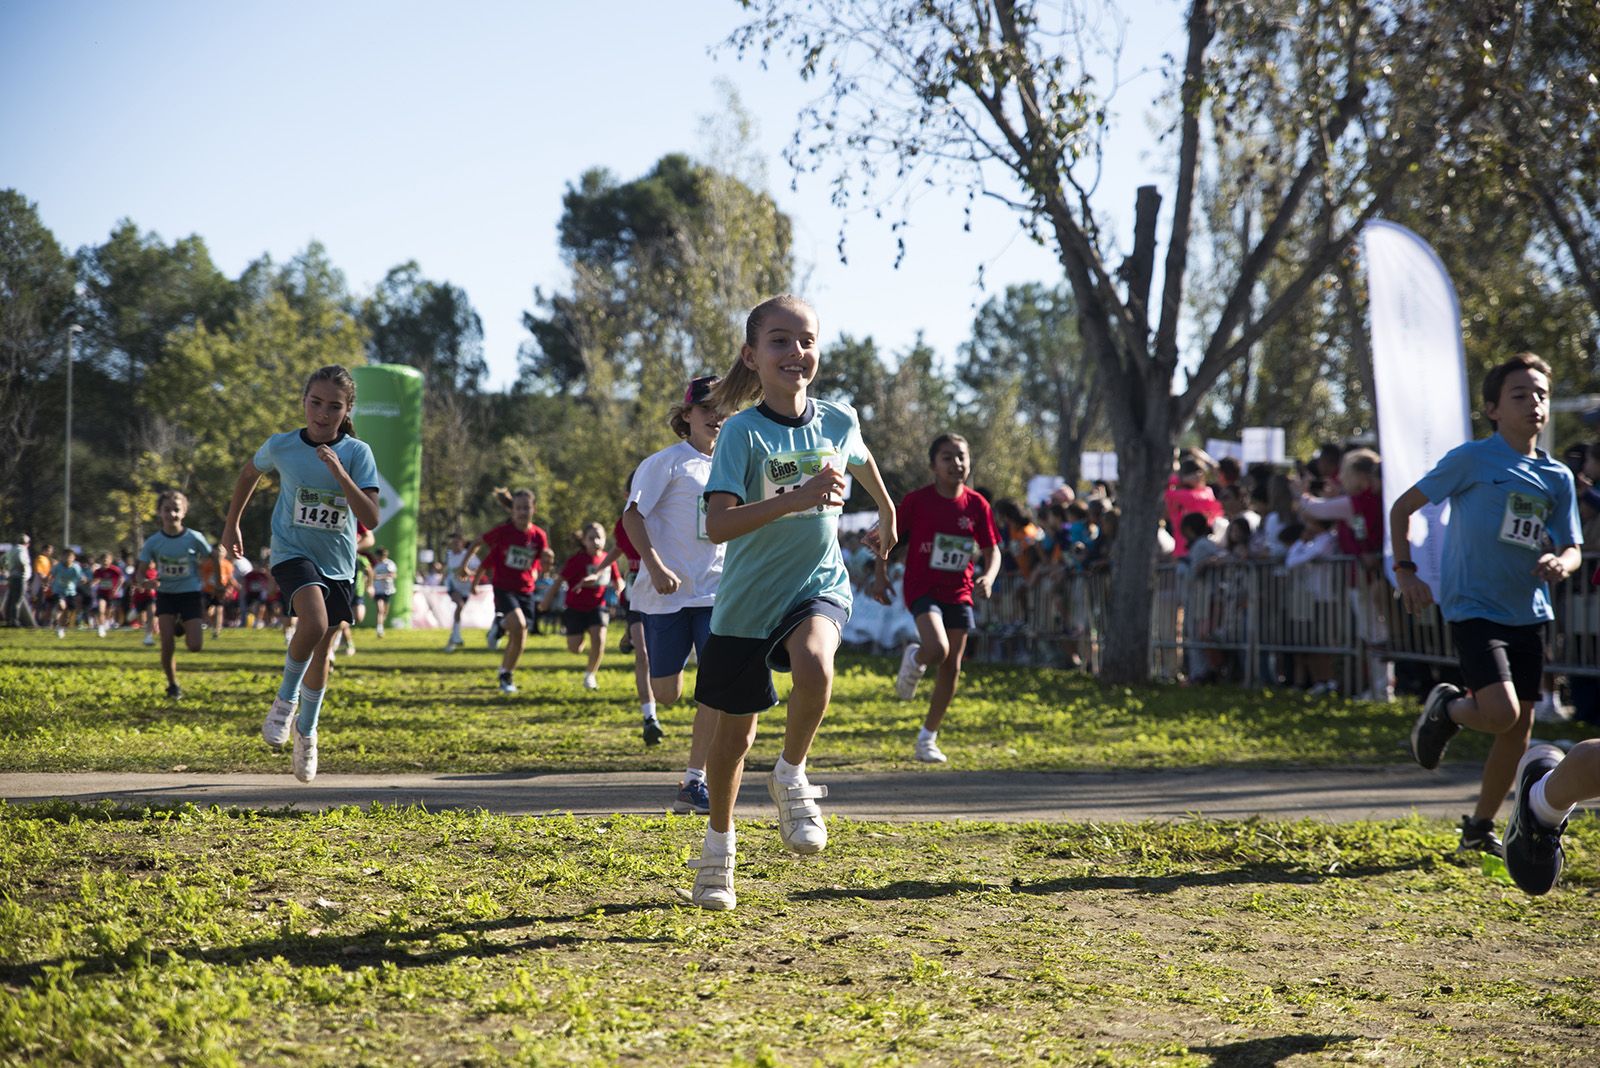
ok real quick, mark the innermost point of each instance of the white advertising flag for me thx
(1419, 367)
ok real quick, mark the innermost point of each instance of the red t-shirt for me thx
(578, 567)
(619, 534)
(513, 558)
(1181, 500)
(108, 580)
(1363, 531)
(943, 536)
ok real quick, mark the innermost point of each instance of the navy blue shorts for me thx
(337, 594)
(669, 637)
(507, 601)
(956, 616)
(185, 606)
(735, 674)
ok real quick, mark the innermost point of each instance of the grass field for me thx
(401, 704)
(384, 936)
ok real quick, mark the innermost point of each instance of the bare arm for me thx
(727, 519)
(1413, 591)
(662, 578)
(231, 541)
(1326, 508)
(886, 534)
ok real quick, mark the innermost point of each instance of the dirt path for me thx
(1336, 794)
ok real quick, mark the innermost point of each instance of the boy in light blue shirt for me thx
(176, 552)
(1513, 530)
(65, 578)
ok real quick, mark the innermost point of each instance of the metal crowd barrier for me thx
(1257, 613)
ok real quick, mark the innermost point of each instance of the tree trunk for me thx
(1144, 463)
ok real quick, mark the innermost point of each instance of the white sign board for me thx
(1262, 445)
(1219, 448)
(1100, 466)
(1040, 487)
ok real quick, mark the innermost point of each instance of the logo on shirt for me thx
(964, 523)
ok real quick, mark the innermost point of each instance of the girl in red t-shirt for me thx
(511, 554)
(586, 583)
(945, 529)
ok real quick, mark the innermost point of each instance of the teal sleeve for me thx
(730, 465)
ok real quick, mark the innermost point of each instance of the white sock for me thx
(1543, 810)
(719, 843)
(787, 772)
(648, 709)
(693, 775)
(925, 735)
(455, 631)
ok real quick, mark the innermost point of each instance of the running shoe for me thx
(1477, 836)
(693, 797)
(493, 637)
(590, 682)
(305, 755)
(174, 692)
(1434, 727)
(928, 751)
(625, 646)
(349, 649)
(275, 730)
(61, 632)
(452, 645)
(101, 630)
(1550, 710)
(713, 883)
(653, 732)
(1533, 851)
(379, 630)
(800, 823)
(905, 683)
(149, 638)
(506, 685)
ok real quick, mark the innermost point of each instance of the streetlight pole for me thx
(66, 509)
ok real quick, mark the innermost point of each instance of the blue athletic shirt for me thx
(64, 579)
(312, 519)
(1502, 507)
(177, 559)
(766, 573)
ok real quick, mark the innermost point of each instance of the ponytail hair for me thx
(346, 383)
(505, 498)
(741, 386)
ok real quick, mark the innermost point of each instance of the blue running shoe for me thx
(693, 797)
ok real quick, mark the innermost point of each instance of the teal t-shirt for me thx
(65, 578)
(1506, 510)
(761, 454)
(312, 519)
(177, 558)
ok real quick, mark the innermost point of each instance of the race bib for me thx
(316, 510)
(785, 472)
(519, 557)
(951, 552)
(174, 567)
(1523, 523)
(700, 519)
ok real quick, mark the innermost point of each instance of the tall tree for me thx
(993, 94)
(36, 305)
(1030, 334)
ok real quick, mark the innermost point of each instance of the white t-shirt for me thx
(669, 491)
(454, 561)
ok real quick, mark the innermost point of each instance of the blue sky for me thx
(447, 133)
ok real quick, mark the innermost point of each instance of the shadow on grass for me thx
(402, 947)
(1265, 1052)
(1249, 875)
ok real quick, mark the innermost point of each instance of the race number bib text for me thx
(951, 552)
(785, 472)
(1523, 523)
(326, 512)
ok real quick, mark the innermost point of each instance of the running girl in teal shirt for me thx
(176, 551)
(327, 480)
(776, 488)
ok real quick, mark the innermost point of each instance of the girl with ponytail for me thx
(327, 481)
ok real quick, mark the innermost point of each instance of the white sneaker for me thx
(928, 751)
(506, 685)
(453, 644)
(380, 630)
(799, 819)
(590, 682)
(61, 632)
(713, 883)
(905, 683)
(350, 649)
(275, 729)
(305, 755)
(101, 630)
(149, 639)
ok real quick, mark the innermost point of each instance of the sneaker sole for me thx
(1422, 718)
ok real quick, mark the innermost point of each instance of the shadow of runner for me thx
(1254, 874)
(1265, 1052)
(349, 952)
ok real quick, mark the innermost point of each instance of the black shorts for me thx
(337, 594)
(88, 599)
(956, 616)
(185, 606)
(735, 674)
(507, 600)
(214, 600)
(382, 596)
(578, 620)
(1492, 652)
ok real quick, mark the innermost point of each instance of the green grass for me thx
(383, 935)
(86, 703)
